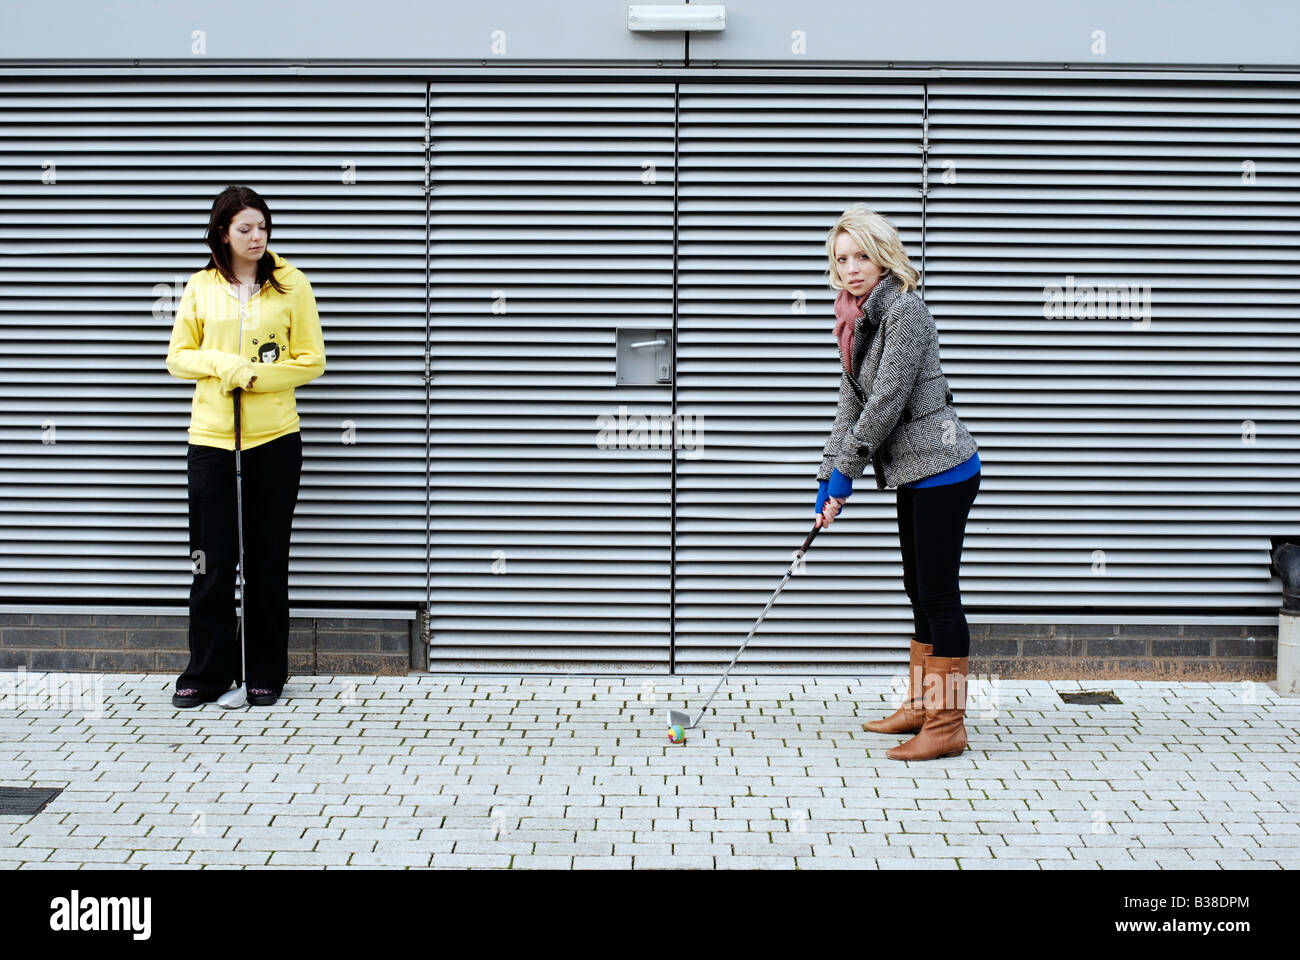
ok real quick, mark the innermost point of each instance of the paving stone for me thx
(523, 862)
(999, 863)
(389, 858)
(640, 862)
(559, 772)
(756, 862)
(241, 857)
(835, 863)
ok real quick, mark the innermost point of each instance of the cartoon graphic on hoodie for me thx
(268, 352)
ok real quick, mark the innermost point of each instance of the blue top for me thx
(841, 486)
(963, 471)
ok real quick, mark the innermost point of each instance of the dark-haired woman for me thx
(248, 332)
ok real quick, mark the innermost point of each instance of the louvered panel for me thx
(93, 264)
(1128, 466)
(765, 170)
(1139, 471)
(549, 230)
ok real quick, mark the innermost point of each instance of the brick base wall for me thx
(115, 643)
(1124, 651)
(120, 643)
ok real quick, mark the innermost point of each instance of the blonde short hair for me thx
(878, 239)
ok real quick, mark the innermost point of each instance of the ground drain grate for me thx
(25, 801)
(1091, 696)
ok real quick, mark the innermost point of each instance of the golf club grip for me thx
(235, 394)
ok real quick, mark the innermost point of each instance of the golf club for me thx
(238, 697)
(680, 718)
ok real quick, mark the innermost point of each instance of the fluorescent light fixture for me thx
(677, 16)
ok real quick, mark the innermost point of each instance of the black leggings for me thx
(271, 475)
(931, 527)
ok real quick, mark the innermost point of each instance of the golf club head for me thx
(679, 718)
(232, 699)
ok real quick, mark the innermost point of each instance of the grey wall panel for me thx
(1132, 462)
(757, 31)
(382, 30)
(766, 168)
(93, 263)
(551, 223)
(1007, 31)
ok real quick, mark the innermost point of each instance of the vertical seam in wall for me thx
(427, 621)
(925, 171)
(672, 453)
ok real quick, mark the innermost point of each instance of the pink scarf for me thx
(848, 308)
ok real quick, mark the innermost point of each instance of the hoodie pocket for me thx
(270, 413)
(212, 412)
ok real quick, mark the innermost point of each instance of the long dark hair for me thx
(228, 203)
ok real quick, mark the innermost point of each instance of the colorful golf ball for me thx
(676, 734)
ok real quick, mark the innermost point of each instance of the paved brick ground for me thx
(547, 772)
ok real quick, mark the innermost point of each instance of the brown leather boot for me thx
(944, 697)
(909, 717)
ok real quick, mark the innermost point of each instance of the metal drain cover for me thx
(1091, 696)
(25, 801)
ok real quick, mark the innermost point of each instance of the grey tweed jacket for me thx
(895, 410)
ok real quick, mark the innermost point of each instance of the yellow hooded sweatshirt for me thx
(281, 345)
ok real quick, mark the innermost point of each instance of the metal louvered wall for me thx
(97, 253)
(1105, 447)
(1131, 465)
(1116, 476)
(551, 226)
(765, 171)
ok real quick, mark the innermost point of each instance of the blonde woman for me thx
(895, 412)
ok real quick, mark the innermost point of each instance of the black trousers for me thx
(271, 473)
(931, 527)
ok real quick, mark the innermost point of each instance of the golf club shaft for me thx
(239, 532)
(784, 580)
